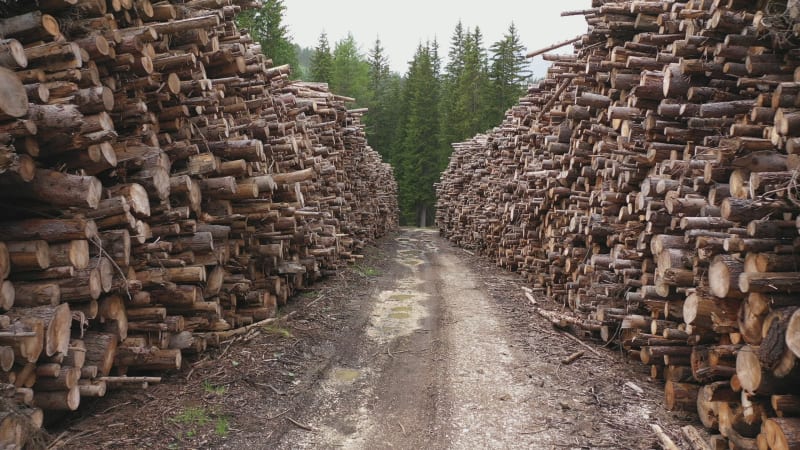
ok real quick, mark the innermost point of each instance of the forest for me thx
(414, 117)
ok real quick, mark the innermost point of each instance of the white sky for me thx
(402, 25)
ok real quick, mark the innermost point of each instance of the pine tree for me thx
(350, 73)
(420, 158)
(321, 67)
(378, 67)
(509, 72)
(450, 114)
(266, 26)
(473, 88)
(383, 97)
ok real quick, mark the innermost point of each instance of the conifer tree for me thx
(350, 73)
(383, 103)
(321, 67)
(421, 155)
(266, 26)
(509, 72)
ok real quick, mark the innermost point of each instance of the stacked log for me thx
(162, 182)
(648, 184)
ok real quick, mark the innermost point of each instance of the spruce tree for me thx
(350, 73)
(450, 113)
(421, 155)
(321, 67)
(382, 95)
(509, 72)
(266, 26)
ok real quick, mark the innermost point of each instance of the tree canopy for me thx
(413, 118)
(266, 26)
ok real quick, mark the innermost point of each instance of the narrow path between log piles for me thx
(420, 346)
(447, 359)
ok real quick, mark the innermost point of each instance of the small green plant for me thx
(221, 426)
(281, 331)
(366, 271)
(309, 294)
(211, 389)
(193, 416)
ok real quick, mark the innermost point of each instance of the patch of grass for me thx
(196, 418)
(193, 416)
(309, 294)
(366, 271)
(211, 389)
(275, 329)
(221, 426)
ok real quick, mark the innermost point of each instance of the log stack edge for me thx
(161, 183)
(649, 184)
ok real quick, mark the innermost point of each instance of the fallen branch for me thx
(572, 358)
(300, 425)
(214, 338)
(666, 441)
(582, 343)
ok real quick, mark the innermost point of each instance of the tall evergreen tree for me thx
(378, 66)
(321, 68)
(266, 26)
(383, 95)
(419, 160)
(509, 72)
(450, 114)
(467, 99)
(475, 89)
(350, 73)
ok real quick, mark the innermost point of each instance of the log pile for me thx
(161, 182)
(649, 185)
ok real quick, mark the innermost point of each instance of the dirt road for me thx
(425, 348)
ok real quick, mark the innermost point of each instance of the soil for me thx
(420, 345)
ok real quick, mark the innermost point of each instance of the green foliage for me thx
(212, 389)
(194, 419)
(350, 74)
(193, 415)
(266, 26)
(280, 331)
(303, 69)
(509, 72)
(413, 119)
(421, 155)
(221, 426)
(321, 68)
(366, 271)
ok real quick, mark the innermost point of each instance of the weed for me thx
(193, 416)
(211, 389)
(309, 294)
(366, 271)
(281, 331)
(196, 418)
(221, 427)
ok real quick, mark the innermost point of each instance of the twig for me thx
(666, 441)
(572, 358)
(300, 425)
(582, 343)
(220, 335)
(275, 417)
(315, 300)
